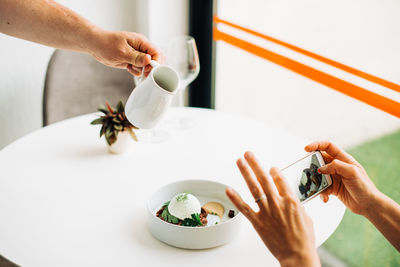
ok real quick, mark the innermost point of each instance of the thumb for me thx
(139, 59)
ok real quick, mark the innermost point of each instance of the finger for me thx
(341, 168)
(333, 150)
(262, 177)
(133, 71)
(279, 180)
(135, 68)
(325, 194)
(142, 44)
(327, 158)
(324, 197)
(146, 73)
(252, 184)
(138, 59)
(242, 206)
(148, 68)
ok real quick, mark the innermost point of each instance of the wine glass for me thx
(182, 55)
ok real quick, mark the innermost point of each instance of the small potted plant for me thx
(116, 128)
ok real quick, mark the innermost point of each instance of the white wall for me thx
(359, 33)
(23, 64)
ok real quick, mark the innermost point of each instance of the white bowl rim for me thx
(231, 220)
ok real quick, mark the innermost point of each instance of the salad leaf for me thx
(167, 216)
(193, 222)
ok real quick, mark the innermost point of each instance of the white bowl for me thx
(193, 237)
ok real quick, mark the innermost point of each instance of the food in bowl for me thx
(198, 237)
(184, 209)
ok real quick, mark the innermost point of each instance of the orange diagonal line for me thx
(328, 61)
(370, 98)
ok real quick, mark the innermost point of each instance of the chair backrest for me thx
(77, 84)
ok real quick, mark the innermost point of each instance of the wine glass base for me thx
(182, 123)
(152, 136)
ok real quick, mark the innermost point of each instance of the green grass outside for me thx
(356, 241)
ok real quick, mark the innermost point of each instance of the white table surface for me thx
(65, 201)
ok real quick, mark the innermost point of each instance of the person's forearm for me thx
(384, 213)
(46, 22)
(309, 259)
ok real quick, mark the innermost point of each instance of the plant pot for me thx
(123, 144)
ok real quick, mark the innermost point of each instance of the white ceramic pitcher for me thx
(150, 100)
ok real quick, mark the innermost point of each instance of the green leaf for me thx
(112, 139)
(193, 222)
(109, 131)
(168, 217)
(102, 130)
(118, 127)
(97, 121)
(108, 141)
(120, 107)
(103, 109)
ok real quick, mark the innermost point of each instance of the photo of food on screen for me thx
(311, 181)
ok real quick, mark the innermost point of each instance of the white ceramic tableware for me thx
(202, 237)
(150, 99)
(123, 144)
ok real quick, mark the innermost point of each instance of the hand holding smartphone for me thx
(304, 179)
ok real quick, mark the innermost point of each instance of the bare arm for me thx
(46, 22)
(49, 23)
(384, 213)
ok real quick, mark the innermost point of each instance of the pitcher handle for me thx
(154, 64)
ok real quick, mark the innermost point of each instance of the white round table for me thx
(65, 201)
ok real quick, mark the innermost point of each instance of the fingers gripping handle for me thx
(154, 64)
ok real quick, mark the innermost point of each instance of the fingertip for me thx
(147, 59)
(229, 191)
(239, 162)
(273, 171)
(310, 147)
(324, 197)
(148, 68)
(322, 169)
(248, 155)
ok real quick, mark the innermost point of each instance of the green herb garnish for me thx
(193, 222)
(182, 197)
(167, 216)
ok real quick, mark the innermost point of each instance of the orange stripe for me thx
(328, 61)
(370, 98)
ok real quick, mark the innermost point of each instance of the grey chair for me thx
(6, 263)
(77, 84)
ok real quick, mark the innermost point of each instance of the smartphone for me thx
(304, 179)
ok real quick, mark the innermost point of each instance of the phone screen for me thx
(304, 178)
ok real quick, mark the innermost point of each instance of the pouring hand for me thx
(126, 50)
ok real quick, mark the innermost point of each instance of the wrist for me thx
(375, 206)
(308, 258)
(93, 39)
